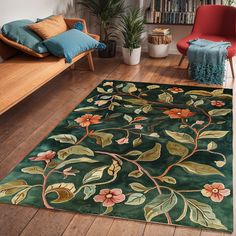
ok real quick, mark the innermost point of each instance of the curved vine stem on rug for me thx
(115, 156)
(197, 132)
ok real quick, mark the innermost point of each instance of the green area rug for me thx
(157, 153)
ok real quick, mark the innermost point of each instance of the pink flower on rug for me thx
(101, 102)
(215, 191)
(109, 197)
(176, 90)
(122, 141)
(200, 122)
(217, 103)
(138, 126)
(88, 119)
(44, 156)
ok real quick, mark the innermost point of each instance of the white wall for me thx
(31, 9)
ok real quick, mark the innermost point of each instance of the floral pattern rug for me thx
(156, 153)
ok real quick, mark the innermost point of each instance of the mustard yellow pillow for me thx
(49, 27)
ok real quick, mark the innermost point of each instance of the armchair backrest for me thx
(215, 20)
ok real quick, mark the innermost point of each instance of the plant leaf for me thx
(152, 154)
(20, 196)
(75, 160)
(128, 118)
(176, 149)
(77, 150)
(180, 137)
(137, 142)
(165, 97)
(219, 112)
(138, 187)
(12, 187)
(94, 174)
(64, 191)
(33, 170)
(102, 139)
(200, 93)
(64, 138)
(199, 169)
(89, 191)
(203, 214)
(159, 205)
(114, 168)
(87, 109)
(134, 153)
(213, 134)
(211, 146)
(135, 199)
(135, 174)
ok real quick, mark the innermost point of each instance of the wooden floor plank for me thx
(79, 225)
(158, 230)
(123, 228)
(185, 231)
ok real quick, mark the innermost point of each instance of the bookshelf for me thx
(174, 12)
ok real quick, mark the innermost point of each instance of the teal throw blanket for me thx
(207, 60)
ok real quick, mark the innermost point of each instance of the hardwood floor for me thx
(26, 124)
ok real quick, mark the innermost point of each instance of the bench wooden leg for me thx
(181, 60)
(90, 61)
(232, 67)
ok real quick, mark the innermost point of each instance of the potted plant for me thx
(107, 12)
(132, 27)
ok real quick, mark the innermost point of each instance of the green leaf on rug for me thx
(150, 87)
(134, 153)
(87, 109)
(135, 174)
(77, 150)
(152, 154)
(168, 179)
(177, 149)
(217, 92)
(114, 168)
(219, 112)
(165, 97)
(159, 205)
(33, 170)
(213, 134)
(139, 187)
(137, 142)
(20, 196)
(101, 90)
(12, 187)
(135, 199)
(129, 88)
(89, 191)
(199, 169)
(128, 118)
(94, 174)
(108, 210)
(211, 146)
(64, 138)
(198, 103)
(199, 92)
(136, 101)
(75, 160)
(203, 214)
(180, 137)
(102, 139)
(65, 191)
(147, 108)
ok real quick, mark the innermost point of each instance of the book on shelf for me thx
(175, 11)
(161, 31)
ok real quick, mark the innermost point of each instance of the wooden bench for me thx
(22, 74)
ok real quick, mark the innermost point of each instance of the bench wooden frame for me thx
(21, 75)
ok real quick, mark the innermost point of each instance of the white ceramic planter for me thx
(133, 58)
(158, 51)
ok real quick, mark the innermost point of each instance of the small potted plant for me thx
(108, 13)
(132, 27)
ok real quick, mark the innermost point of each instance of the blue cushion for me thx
(78, 26)
(19, 32)
(71, 43)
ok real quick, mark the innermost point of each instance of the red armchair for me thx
(215, 23)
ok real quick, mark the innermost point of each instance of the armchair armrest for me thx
(95, 36)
